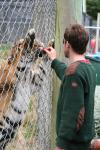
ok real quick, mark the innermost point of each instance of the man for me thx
(75, 109)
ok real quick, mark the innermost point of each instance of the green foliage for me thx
(93, 7)
(4, 50)
(30, 130)
(5, 47)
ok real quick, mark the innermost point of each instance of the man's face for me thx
(66, 49)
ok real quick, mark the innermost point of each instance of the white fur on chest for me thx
(21, 99)
(23, 91)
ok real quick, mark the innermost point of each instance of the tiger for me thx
(20, 76)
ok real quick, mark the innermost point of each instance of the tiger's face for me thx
(27, 51)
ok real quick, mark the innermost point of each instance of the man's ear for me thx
(67, 45)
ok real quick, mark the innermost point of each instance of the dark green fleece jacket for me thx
(75, 109)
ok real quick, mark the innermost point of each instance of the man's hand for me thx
(57, 148)
(51, 52)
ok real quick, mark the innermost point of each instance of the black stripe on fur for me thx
(17, 110)
(40, 77)
(43, 70)
(7, 135)
(13, 124)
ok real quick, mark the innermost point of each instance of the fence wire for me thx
(17, 17)
(94, 39)
(93, 48)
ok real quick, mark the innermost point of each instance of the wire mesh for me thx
(92, 48)
(94, 39)
(17, 17)
(97, 112)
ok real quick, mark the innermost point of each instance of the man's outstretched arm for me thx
(57, 65)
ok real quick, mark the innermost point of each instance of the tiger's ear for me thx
(30, 37)
(31, 33)
(51, 43)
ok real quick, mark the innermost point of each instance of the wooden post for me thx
(68, 12)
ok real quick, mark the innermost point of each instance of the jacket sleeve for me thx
(59, 68)
(72, 116)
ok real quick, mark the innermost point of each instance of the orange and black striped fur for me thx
(8, 77)
(20, 76)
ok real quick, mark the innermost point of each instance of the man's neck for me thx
(75, 57)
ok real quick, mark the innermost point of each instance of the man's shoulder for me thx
(72, 69)
(79, 68)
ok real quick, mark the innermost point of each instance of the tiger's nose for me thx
(40, 53)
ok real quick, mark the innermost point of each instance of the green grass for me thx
(30, 129)
(4, 50)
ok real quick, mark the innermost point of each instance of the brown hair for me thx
(77, 37)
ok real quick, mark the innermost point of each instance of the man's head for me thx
(76, 39)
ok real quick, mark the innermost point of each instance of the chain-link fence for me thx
(93, 48)
(97, 111)
(94, 39)
(17, 17)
